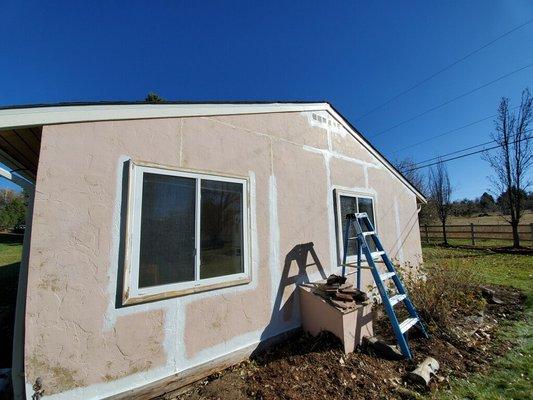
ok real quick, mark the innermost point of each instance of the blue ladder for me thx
(357, 222)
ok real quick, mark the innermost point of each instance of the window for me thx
(346, 203)
(188, 232)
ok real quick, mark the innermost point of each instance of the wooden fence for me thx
(477, 233)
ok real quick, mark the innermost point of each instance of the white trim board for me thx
(36, 116)
(51, 115)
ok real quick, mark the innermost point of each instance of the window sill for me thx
(138, 298)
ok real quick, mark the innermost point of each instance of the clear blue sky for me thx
(354, 54)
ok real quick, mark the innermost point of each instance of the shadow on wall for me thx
(287, 314)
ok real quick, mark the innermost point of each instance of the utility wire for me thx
(443, 70)
(456, 152)
(447, 132)
(468, 154)
(465, 149)
(452, 100)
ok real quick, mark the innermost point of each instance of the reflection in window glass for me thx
(351, 204)
(348, 206)
(167, 242)
(221, 229)
(365, 206)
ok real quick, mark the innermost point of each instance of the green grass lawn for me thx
(10, 252)
(510, 377)
(10, 248)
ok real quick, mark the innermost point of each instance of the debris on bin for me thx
(335, 280)
(340, 294)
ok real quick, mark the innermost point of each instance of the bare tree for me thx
(512, 159)
(440, 193)
(408, 169)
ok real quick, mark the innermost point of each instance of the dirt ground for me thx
(306, 367)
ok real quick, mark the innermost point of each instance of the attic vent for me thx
(325, 121)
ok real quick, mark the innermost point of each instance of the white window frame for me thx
(341, 221)
(132, 293)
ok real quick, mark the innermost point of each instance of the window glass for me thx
(221, 229)
(348, 205)
(352, 204)
(365, 206)
(167, 243)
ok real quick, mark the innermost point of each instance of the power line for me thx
(468, 154)
(443, 134)
(452, 100)
(443, 70)
(466, 148)
(448, 132)
(456, 152)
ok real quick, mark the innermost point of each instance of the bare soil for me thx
(306, 367)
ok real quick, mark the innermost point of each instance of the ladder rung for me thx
(377, 254)
(407, 324)
(387, 275)
(396, 299)
(354, 265)
(369, 233)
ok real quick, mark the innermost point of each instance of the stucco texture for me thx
(76, 334)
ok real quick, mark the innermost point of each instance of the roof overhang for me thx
(26, 117)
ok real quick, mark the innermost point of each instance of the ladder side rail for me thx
(404, 347)
(400, 286)
(396, 279)
(402, 290)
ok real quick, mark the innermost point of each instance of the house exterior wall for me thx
(84, 345)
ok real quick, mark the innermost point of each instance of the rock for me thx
(383, 349)
(490, 295)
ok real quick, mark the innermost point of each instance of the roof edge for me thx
(63, 113)
(52, 115)
(366, 143)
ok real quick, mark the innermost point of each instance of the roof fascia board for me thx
(28, 117)
(39, 116)
(357, 136)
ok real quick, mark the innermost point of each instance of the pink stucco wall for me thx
(83, 345)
